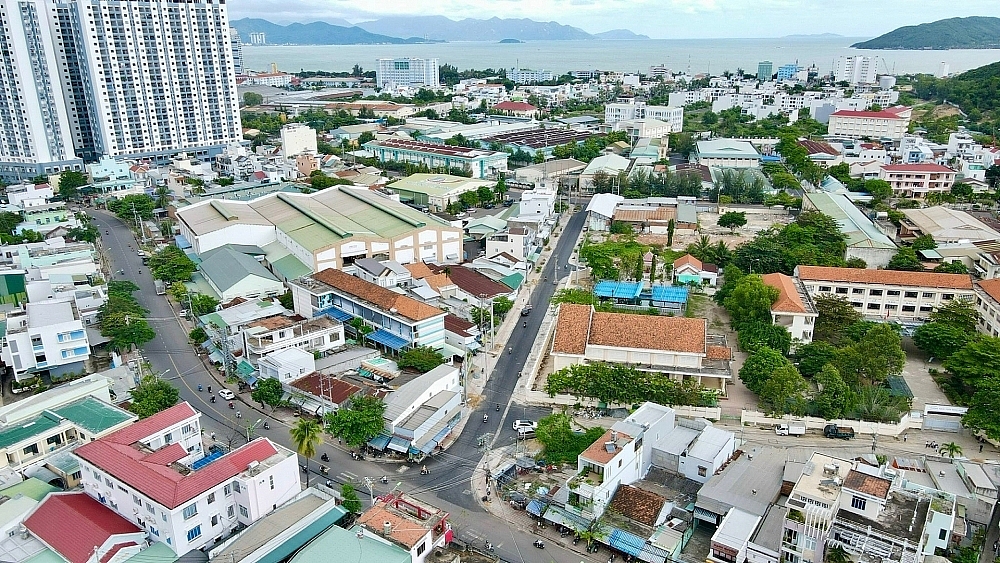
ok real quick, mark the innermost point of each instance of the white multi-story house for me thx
(891, 123)
(287, 364)
(297, 138)
(633, 109)
(988, 307)
(391, 73)
(856, 69)
(887, 295)
(49, 336)
(812, 506)
(794, 309)
(528, 76)
(515, 241)
(155, 473)
(29, 194)
(36, 133)
(918, 180)
(265, 336)
(115, 178)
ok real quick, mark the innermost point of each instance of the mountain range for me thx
(976, 32)
(402, 29)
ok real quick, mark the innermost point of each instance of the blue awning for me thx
(379, 442)
(401, 445)
(626, 542)
(444, 432)
(670, 294)
(428, 447)
(215, 357)
(182, 242)
(388, 339)
(535, 507)
(335, 313)
(617, 289)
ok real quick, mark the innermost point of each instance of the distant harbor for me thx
(700, 55)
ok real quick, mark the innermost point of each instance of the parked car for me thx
(227, 394)
(525, 424)
(526, 311)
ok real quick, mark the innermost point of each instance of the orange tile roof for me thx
(719, 353)
(404, 530)
(637, 504)
(688, 259)
(886, 277)
(598, 453)
(378, 296)
(991, 287)
(677, 334)
(572, 329)
(419, 270)
(867, 484)
(789, 300)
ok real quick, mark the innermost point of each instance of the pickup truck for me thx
(790, 429)
(161, 288)
(841, 432)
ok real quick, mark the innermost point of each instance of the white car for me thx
(525, 424)
(227, 394)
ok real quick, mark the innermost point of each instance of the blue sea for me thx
(697, 55)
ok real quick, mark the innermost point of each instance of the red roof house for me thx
(81, 529)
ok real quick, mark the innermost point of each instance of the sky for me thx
(659, 19)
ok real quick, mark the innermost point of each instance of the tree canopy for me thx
(561, 443)
(624, 384)
(420, 358)
(172, 265)
(814, 239)
(153, 395)
(359, 422)
(268, 392)
(122, 319)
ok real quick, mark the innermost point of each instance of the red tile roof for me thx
(155, 474)
(639, 505)
(457, 325)
(381, 297)
(335, 390)
(918, 167)
(471, 281)
(115, 549)
(817, 147)
(688, 259)
(868, 484)
(991, 287)
(515, 106)
(572, 329)
(789, 300)
(884, 114)
(74, 523)
(648, 332)
(598, 451)
(885, 277)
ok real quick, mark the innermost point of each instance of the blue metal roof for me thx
(379, 442)
(335, 313)
(535, 507)
(387, 338)
(182, 242)
(212, 456)
(618, 289)
(670, 294)
(626, 542)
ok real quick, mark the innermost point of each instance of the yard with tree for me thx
(359, 422)
(561, 443)
(153, 395)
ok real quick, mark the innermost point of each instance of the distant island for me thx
(509, 40)
(620, 34)
(976, 32)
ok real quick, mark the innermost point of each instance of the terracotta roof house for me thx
(688, 269)
(676, 346)
(793, 309)
(519, 109)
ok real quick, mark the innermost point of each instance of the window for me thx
(875, 292)
(928, 295)
(137, 500)
(77, 475)
(858, 502)
(908, 308)
(190, 511)
(228, 489)
(910, 295)
(824, 288)
(194, 533)
(236, 486)
(211, 498)
(948, 296)
(168, 438)
(926, 309)
(423, 547)
(702, 471)
(808, 543)
(874, 306)
(109, 484)
(244, 512)
(857, 291)
(271, 481)
(31, 450)
(230, 512)
(842, 290)
(215, 520)
(893, 292)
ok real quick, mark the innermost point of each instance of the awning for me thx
(559, 516)
(379, 442)
(428, 447)
(706, 515)
(216, 357)
(245, 368)
(182, 242)
(626, 542)
(401, 445)
(536, 507)
(42, 473)
(388, 339)
(335, 313)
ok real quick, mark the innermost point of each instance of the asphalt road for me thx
(447, 486)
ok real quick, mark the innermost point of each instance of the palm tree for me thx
(702, 249)
(162, 194)
(951, 449)
(306, 434)
(837, 555)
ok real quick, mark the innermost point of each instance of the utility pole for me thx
(370, 485)
(253, 428)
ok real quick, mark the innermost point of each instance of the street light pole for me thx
(252, 428)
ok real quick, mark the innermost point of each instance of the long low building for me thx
(863, 237)
(482, 163)
(303, 233)
(887, 295)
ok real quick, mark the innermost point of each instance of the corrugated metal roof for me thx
(858, 228)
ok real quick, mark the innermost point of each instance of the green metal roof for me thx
(290, 267)
(512, 281)
(16, 433)
(93, 414)
(245, 368)
(31, 487)
(47, 556)
(438, 185)
(348, 547)
(227, 267)
(156, 553)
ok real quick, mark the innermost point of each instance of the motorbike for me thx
(524, 324)
(424, 470)
(539, 544)
(231, 405)
(498, 407)
(324, 470)
(325, 457)
(212, 399)
(239, 414)
(485, 418)
(209, 388)
(200, 388)
(266, 426)
(509, 350)
(384, 480)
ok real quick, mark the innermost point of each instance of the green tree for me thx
(732, 220)
(923, 242)
(153, 395)
(977, 360)
(950, 449)
(198, 335)
(877, 356)
(162, 196)
(880, 190)
(833, 398)
(750, 301)
(835, 315)
(906, 260)
(813, 356)
(959, 313)
(202, 304)
(306, 435)
(349, 498)
(671, 227)
(962, 191)
(837, 554)
(131, 205)
(268, 392)
(251, 99)
(420, 358)
(955, 267)
(287, 301)
(759, 366)
(940, 340)
(171, 265)
(982, 413)
(365, 137)
(782, 392)
(122, 319)
(485, 195)
(70, 182)
(501, 306)
(754, 334)
(359, 422)
(561, 444)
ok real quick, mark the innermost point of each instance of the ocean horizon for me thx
(697, 55)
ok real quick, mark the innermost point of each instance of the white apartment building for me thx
(297, 138)
(633, 109)
(49, 336)
(237, 48)
(391, 73)
(155, 473)
(887, 295)
(918, 180)
(855, 69)
(149, 78)
(889, 123)
(35, 130)
(794, 309)
(280, 332)
(273, 79)
(988, 307)
(29, 194)
(528, 76)
(812, 506)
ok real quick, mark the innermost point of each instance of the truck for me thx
(840, 432)
(790, 429)
(161, 288)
